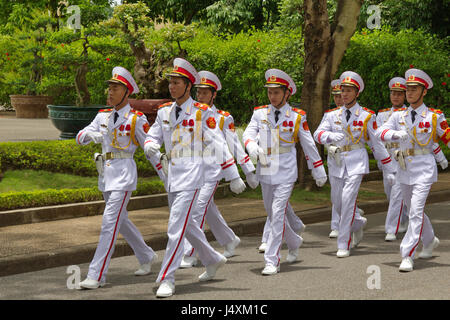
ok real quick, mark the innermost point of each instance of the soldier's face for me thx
(338, 100)
(349, 94)
(277, 96)
(397, 98)
(415, 94)
(205, 95)
(177, 87)
(115, 93)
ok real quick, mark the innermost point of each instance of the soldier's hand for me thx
(390, 179)
(320, 182)
(252, 149)
(444, 164)
(237, 185)
(252, 180)
(335, 137)
(402, 135)
(151, 148)
(97, 137)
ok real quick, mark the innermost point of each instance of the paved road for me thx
(15, 129)
(317, 275)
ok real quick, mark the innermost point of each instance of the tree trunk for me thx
(325, 46)
(83, 96)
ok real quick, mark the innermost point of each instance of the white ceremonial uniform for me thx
(207, 209)
(420, 170)
(183, 139)
(278, 178)
(345, 179)
(118, 180)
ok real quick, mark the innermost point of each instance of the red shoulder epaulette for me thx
(165, 105)
(202, 106)
(260, 107)
(105, 110)
(384, 110)
(368, 110)
(401, 109)
(140, 114)
(224, 113)
(302, 112)
(435, 110)
(334, 109)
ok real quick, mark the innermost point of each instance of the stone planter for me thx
(71, 119)
(148, 106)
(31, 106)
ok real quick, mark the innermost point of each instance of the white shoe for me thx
(406, 265)
(403, 226)
(229, 248)
(292, 255)
(146, 268)
(188, 262)
(358, 235)
(262, 247)
(333, 234)
(89, 283)
(341, 253)
(390, 237)
(270, 269)
(427, 252)
(166, 289)
(211, 270)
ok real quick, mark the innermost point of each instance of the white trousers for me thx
(397, 211)
(183, 208)
(115, 220)
(276, 200)
(293, 220)
(350, 221)
(419, 227)
(208, 212)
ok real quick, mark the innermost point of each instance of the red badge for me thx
(128, 127)
(375, 126)
(305, 126)
(285, 123)
(211, 123)
(444, 125)
(146, 127)
(185, 123)
(191, 122)
(427, 124)
(291, 124)
(121, 127)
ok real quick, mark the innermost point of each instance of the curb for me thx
(92, 208)
(83, 254)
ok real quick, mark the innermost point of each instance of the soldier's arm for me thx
(155, 133)
(443, 130)
(251, 132)
(310, 150)
(83, 137)
(386, 132)
(323, 130)
(379, 150)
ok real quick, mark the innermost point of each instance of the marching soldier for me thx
(121, 131)
(347, 129)
(208, 212)
(270, 137)
(397, 214)
(415, 129)
(183, 126)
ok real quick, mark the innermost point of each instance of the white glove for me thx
(252, 149)
(390, 177)
(252, 180)
(237, 185)
(97, 137)
(320, 182)
(444, 164)
(335, 137)
(262, 157)
(151, 148)
(402, 135)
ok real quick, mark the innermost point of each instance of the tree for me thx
(325, 45)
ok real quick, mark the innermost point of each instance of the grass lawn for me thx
(31, 180)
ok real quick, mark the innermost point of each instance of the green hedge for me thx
(40, 198)
(60, 156)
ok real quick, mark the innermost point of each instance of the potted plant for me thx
(71, 53)
(27, 61)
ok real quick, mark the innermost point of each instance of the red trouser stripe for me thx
(399, 217)
(353, 218)
(204, 214)
(113, 238)
(420, 236)
(181, 237)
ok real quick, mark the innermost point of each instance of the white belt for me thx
(185, 153)
(415, 152)
(269, 151)
(117, 155)
(350, 147)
